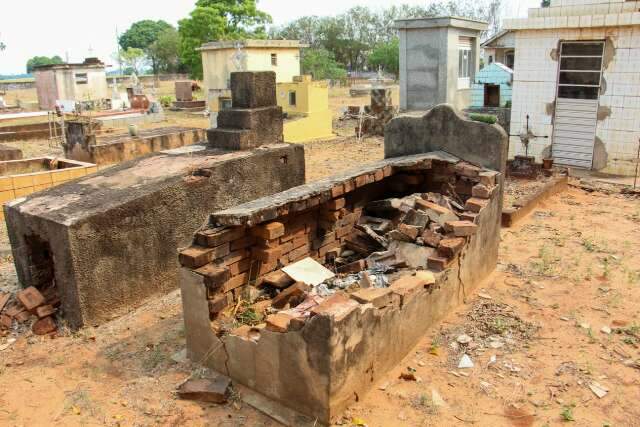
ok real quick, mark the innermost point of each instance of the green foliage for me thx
(133, 58)
(567, 414)
(484, 118)
(387, 56)
(165, 100)
(321, 64)
(142, 35)
(166, 51)
(353, 37)
(42, 60)
(218, 20)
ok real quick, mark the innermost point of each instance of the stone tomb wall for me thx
(306, 365)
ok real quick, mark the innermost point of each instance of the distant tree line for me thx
(359, 39)
(362, 38)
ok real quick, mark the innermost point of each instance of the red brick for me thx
(30, 298)
(349, 219)
(235, 282)
(362, 180)
(214, 275)
(269, 231)
(409, 230)
(451, 247)
(425, 204)
(337, 306)
(278, 322)
(265, 268)
(197, 256)
(354, 267)
(286, 247)
(241, 243)
(5, 321)
(337, 190)
(482, 191)
(4, 298)
(218, 236)
(324, 250)
(301, 252)
(436, 263)
(22, 316)
(378, 297)
(267, 243)
(313, 202)
(294, 234)
(349, 185)
(388, 171)
(331, 216)
(431, 238)
(266, 255)
(278, 279)
(467, 169)
(240, 267)
(469, 216)
(475, 204)
(344, 231)
(488, 178)
(45, 310)
(461, 228)
(295, 291)
(44, 326)
(335, 204)
(236, 256)
(378, 175)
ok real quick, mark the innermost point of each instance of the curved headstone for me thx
(442, 129)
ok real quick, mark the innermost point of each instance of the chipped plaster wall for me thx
(534, 92)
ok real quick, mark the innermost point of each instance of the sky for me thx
(75, 29)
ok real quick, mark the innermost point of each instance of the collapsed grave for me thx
(378, 114)
(107, 242)
(307, 297)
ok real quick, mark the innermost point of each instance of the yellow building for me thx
(221, 58)
(307, 105)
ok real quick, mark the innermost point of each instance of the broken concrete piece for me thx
(214, 390)
(378, 297)
(412, 232)
(414, 255)
(465, 362)
(598, 389)
(482, 191)
(30, 298)
(308, 271)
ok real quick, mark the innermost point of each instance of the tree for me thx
(166, 50)
(134, 58)
(218, 20)
(387, 56)
(355, 35)
(321, 64)
(142, 35)
(42, 60)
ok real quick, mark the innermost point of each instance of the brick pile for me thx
(30, 305)
(240, 259)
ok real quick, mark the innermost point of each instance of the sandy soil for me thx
(565, 272)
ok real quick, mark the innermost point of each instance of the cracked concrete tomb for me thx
(108, 241)
(307, 297)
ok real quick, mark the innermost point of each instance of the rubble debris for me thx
(30, 298)
(598, 389)
(214, 390)
(44, 326)
(465, 362)
(308, 271)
